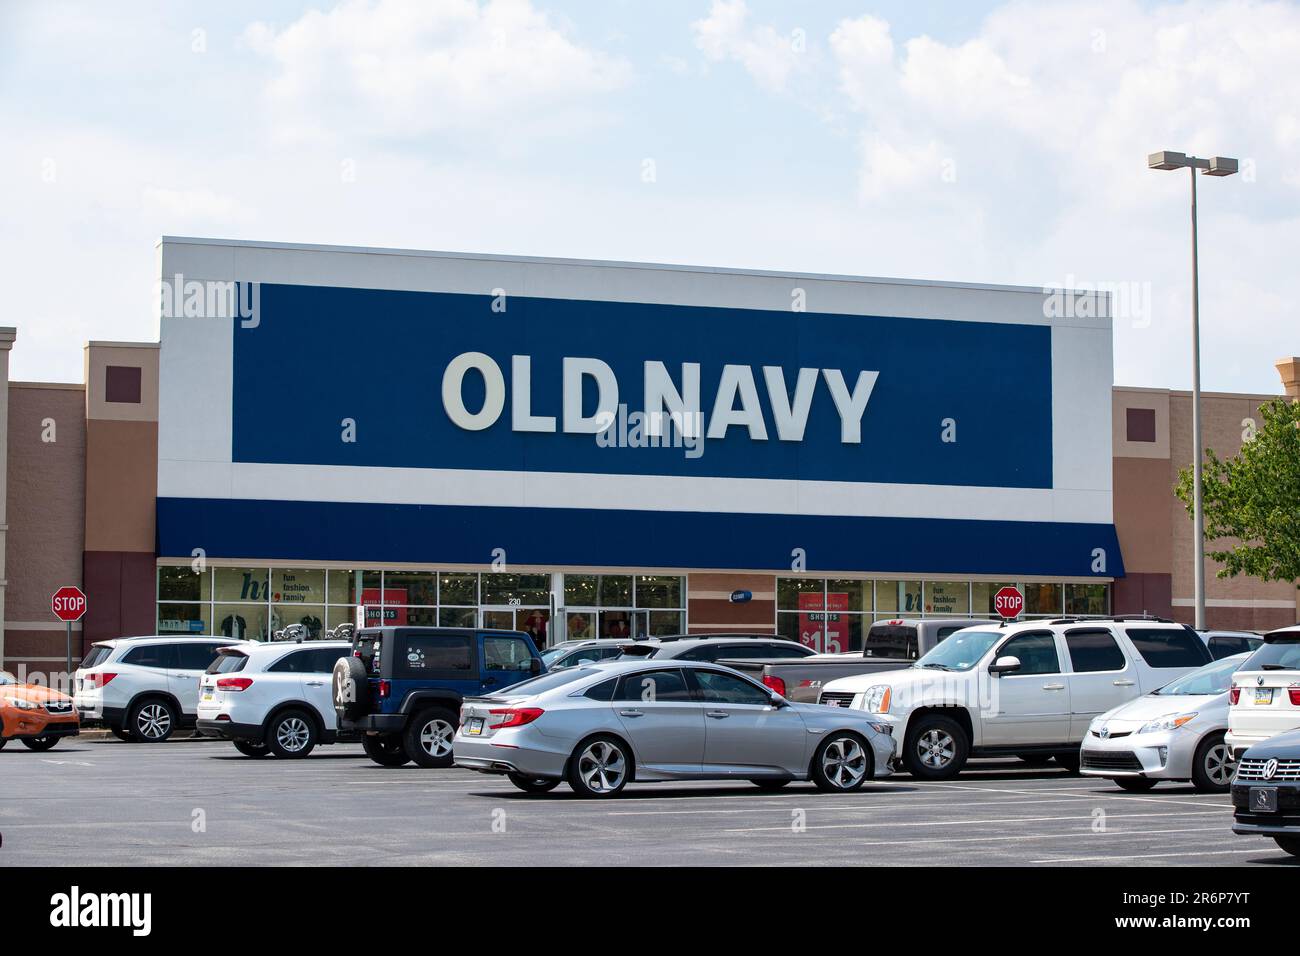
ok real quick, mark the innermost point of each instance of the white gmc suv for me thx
(143, 688)
(1264, 700)
(1028, 689)
(272, 698)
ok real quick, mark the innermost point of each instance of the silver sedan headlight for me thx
(1165, 723)
(882, 728)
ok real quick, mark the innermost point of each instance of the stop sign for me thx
(68, 603)
(1009, 602)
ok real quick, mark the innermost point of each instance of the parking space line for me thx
(1044, 836)
(1003, 821)
(1147, 856)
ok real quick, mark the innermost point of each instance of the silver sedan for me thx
(600, 726)
(1174, 733)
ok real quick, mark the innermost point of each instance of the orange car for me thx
(38, 716)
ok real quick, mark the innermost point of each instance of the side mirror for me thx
(777, 700)
(535, 665)
(1005, 665)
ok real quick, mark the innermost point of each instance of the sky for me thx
(958, 141)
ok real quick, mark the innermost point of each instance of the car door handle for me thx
(716, 714)
(630, 713)
(315, 683)
(1053, 687)
(1122, 683)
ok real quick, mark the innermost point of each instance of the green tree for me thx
(1252, 500)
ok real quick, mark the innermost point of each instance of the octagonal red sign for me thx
(68, 603)
(1009, 602)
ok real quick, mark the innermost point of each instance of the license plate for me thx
(207, 693)
(1263, 800)
(1264, 695)
(474, 727)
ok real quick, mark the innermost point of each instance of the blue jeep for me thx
(402, 687)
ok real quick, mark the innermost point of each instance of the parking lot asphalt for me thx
(200, 803)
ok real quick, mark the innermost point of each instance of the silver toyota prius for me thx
(600, 726)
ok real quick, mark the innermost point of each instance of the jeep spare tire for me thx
(351, 689)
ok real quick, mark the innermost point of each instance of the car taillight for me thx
(1234, 695)
(774, 683)
(234, 683)
(1295, 696)
(99, 680)
(385, 688)
(514, 716)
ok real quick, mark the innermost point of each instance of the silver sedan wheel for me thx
(153, 722)
(844, 763)
(435, 737)
(602, 766)
(292, 734)
(936, 748)
(1219, 765)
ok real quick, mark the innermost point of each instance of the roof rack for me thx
(720, 634)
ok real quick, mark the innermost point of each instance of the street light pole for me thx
(1214, 166)
(1198, 515)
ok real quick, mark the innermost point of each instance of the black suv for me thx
(402, 687)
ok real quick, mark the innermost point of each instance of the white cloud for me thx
(769, 57)
(405, 68)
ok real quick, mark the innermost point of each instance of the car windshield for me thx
(1213, 678)
(552, 654)
(961, 651)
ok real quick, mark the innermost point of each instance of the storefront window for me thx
(340, 587)
(615, 590)
(184, 619)
(580, 624)
(788, 591)
(517, 589)
(857, 594)
(663, 623)
(1042, 599)
(183, 584)
(581, 590)
(886, 598)
(658, 591)
(419, 587)
(947, 597)
(461, 589)
(457, 617)
(310, 616)
(910, 597)
(290, 586)
(245, 622)
(241, 584)
(1087, 599)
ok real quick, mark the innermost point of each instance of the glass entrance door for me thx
(533, 621)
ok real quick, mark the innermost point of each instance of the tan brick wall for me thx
(46, 504)
(1252, 600)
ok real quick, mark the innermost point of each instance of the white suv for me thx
(272, 698)
(143, 688)
(1028, 689)
(1265, 696)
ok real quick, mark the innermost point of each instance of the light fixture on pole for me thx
(1214, 166)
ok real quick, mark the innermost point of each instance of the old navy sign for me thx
(440, 380)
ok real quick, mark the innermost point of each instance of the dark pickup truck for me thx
(888, 646)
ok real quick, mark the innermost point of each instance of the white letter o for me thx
(493, 401)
